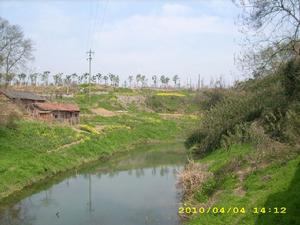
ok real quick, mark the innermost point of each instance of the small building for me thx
(22, 97)
(60, 112)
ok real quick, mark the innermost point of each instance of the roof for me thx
(47, 106)
(12, 94)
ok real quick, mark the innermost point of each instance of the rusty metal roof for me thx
(47, 106)
(12, 94)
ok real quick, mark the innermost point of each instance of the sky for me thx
(130, 37)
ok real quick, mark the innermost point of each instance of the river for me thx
(133, 188)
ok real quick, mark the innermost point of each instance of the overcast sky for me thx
(149, 37)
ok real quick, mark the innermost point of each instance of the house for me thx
(61, 112)
(25, 98)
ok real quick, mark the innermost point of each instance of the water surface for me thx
(135, 188)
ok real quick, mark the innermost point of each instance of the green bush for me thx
(290, 73)
(209, 98)
(253, 100)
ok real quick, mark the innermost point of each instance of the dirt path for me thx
(104, 112)
(66, 146)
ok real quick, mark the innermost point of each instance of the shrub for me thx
(10, 120)
(222, 119)
(290, 73)
(254, 100)
(209, 98)
(192, 177)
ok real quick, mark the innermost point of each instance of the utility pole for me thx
(90, 70)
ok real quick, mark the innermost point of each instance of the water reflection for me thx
(135, 189)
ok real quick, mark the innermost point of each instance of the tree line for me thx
(60, 79)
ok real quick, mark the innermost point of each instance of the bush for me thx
(222, 119)
(253, 100)
(209, 98)
(290, 73)
(10, 120)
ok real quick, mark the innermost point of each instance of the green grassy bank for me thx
(267, 194)
(32, 151)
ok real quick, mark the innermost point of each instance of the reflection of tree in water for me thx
(130, 172)
(153, 171)
(47, 199)
(164, 170)
(17, 215)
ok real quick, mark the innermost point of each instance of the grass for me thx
(276, 185)
(25, 157)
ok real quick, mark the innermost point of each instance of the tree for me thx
(271, 30)
(22, 78)
(116, 80)
(58, 79)
(105, 78)
(45, 77)
(162, 79)
(15, 50)
(143, 80)
(99, 77)
(154, 78)
(94, 79)
(175, 79)
(111, 78)
(74, 77)
(130, 78)
(68, 81)
(167, 79)
(84, 77)
(33, 78)
(138, 79)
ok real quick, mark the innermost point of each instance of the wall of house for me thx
(66, 117)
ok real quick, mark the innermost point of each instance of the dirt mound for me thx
(137, 100)
(104, 112)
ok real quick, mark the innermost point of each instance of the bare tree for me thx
(15, 50)
(271, 29)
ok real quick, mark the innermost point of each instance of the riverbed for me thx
(134, 188)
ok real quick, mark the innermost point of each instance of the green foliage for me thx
(209, 98)
(222, 119)
(43, 150)
(206, 190)
(10, 121)
(290, 73)
(274, 185)
(171, 103)
(253, 100)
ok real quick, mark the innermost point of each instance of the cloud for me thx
(154, 31)
(175, 9)
(175, 40)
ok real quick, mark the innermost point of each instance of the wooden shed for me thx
(61, 112)
(22, 97)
